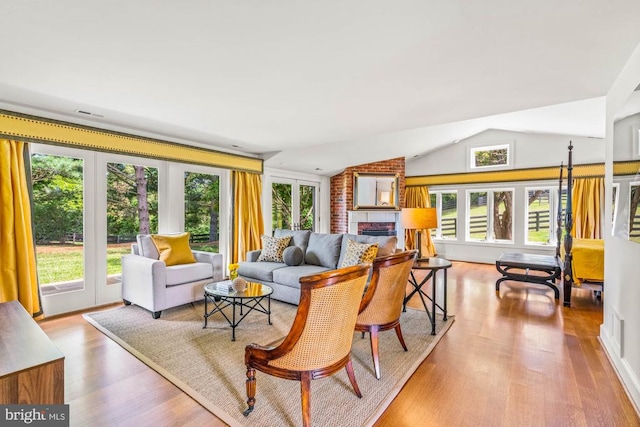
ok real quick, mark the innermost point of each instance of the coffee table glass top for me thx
(253, 290)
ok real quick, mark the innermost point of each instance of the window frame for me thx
(438, 232)
(553, 215)
(490, 224)
(471, 165)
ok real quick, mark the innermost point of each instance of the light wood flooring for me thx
(513, 358)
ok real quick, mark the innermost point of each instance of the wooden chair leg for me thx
(373, 334)
(251, 390)
(399, 334)
(305, 392)
(352, 378)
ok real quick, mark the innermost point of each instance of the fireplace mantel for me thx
(355, 217)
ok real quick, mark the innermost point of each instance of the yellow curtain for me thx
(587, 199)
(18, 276)
(248, 224)
(418, 197)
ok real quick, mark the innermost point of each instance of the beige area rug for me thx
(209, 367)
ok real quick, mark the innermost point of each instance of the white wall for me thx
(624, 129)
(619, 333)
(531, 150)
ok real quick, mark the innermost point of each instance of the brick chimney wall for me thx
(342, 189)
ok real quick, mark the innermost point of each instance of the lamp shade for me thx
(418, 218)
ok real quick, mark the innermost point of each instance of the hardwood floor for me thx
(513, 358)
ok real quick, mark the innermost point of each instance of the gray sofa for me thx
(320, 252)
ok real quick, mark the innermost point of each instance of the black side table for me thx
(433, 265)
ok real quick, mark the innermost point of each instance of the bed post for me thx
(568, 239)
(559, 218)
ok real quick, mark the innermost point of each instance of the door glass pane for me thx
(634, 214)
(58, 217)
(538, 220)
(477, 227)
(202, 210)
(307, 207)
(449, 215)
(132, 208)
(282, 207)
(503, 215)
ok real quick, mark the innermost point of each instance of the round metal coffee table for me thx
(242, 303)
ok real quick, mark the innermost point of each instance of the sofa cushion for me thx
(272, 248)
(186, 273)
(299, 238)
(290, 276)
(386, 244)
(262, 271)
(357, 253)
(293, 255)
(173, 249)
(323, 249)
(146, 247)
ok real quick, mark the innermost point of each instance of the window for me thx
(446, 203)
(294, 204)
(477, 215)
(202, 210)
(634, 213)
(490, 215)
(489, 156)
(132, 208)
(539, 216)
(58, 215)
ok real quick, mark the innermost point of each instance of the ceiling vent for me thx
(88, 113)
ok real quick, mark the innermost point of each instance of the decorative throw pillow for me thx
(173, 249)
(293, 255)
(358, 253)
(273, 247)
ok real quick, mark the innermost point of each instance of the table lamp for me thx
(418, 219)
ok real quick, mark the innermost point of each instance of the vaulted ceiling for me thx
(316, 86)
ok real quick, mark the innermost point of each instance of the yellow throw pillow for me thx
(358, 253)
(273, 248)
(173, 249)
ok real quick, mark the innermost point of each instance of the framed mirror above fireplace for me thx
(375, 191)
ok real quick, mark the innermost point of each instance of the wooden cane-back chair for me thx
(381, 305)
(319, 342)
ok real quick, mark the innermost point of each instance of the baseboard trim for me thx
(629, 380)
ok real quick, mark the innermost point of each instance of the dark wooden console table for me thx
(518, 267)
(31, 366)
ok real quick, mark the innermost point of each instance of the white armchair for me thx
(151, 284)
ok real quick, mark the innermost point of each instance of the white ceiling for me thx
(317, 86)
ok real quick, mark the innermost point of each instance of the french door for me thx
(294, 204)
(64, 226)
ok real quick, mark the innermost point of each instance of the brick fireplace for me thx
(382, 221)
(342, 197)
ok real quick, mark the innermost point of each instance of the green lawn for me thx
(65, 263)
